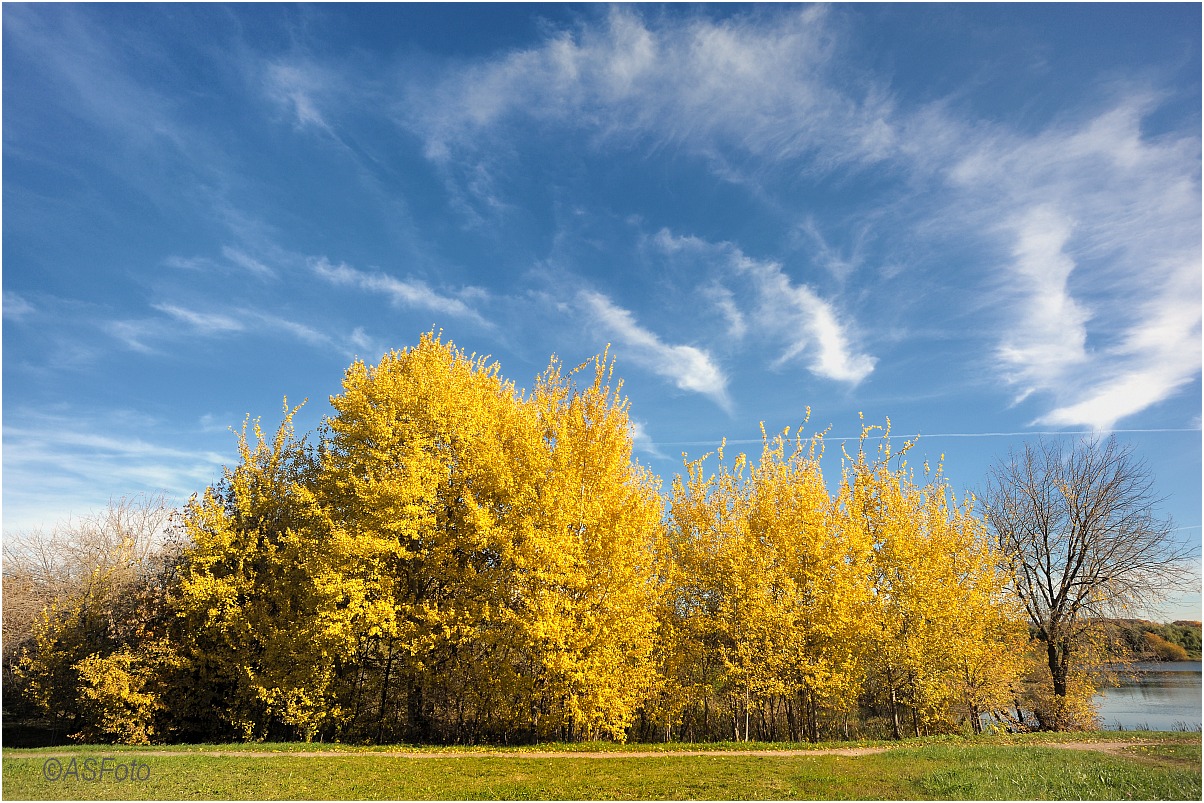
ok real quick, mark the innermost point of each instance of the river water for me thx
(1164, 697)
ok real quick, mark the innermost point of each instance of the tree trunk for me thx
(414, 714)
(746, 715)
(810, 715)
(1019, 714)
(975, 714)
(384, 696)
(1059, 665)
(736, 717)
(896, 730)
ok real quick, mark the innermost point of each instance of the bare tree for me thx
(1080, 526)
(130, 542)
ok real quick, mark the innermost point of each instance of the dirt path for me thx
(1104, 747)
(513, 754)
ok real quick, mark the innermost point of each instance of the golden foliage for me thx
(117, 689)
(946, 641)
(458, 560)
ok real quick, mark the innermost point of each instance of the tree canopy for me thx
(452, 559)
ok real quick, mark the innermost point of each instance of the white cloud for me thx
(250, 264)
(1120, 396)
(1094, 214)
(364, 346)
(689, 368)
(90, 70)
(641, 441)
(725, 302)
(807, 326)
(58, 466)
(205, 323)
(210, 423)
(140, 334)
(1157, 355)
(738, 84)
(402, 292)
(134, 334)
(189, 263)
(827, 256)
(1050, 334)
(16, 307)
(671, 243)
(233, 256)
(1102, 295)
(297, 86)
(298, 331)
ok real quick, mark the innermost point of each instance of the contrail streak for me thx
(738, 441)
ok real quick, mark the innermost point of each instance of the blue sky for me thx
(982, 221)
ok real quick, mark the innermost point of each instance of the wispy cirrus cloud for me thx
(1050, 338)
(736, 83)
(235, 258)
(91, 70)
(147, 335)
(177, 262)
(806, 327)
(298, 87)
(248, 263)
(1098, 220)
(641, 441)
(134, 335)
(59, 465)
(364, 345)
(725, 302)
(16, 307)
(825, 254)
(404, 292)
(688, 367)
(205, 323)
(1102, 290)
(297, 331)
(810, 325)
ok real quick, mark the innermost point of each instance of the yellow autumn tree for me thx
(506, 541)
(715, 595)
(818, 575)
(944, 644)
(983, 632)
(585, 583)
(118, 697)
(427, 476)
(456, 560)
(769, 592)
(265, 610)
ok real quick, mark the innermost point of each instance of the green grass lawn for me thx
(999, 768)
